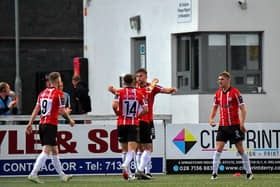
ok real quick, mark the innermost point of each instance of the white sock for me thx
(128, 158)
(40, 161)
(246, 163)
(138, 158)
(216, 162)
(146, 156)
(123, 156)
(123, 159)
(148, 167)
(57, 165)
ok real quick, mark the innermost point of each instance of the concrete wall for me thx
(108, 42)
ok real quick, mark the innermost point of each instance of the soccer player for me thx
(147, 129)
(231, 128)
(126, 107)
(50, 102)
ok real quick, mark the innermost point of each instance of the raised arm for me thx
(112, 90)
(163, 90)
(169, 90)
(153, 84)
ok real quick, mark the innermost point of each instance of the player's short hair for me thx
(129, 79)
(3, 87)
(76, 78)
(225, 74)
(53, 77)
(142, 70)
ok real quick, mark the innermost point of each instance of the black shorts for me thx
(48, 134)
(231, 133)
(127, 133)
(145, 132)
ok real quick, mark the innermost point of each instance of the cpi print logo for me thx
(184, 141)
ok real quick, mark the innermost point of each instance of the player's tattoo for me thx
(66, 116)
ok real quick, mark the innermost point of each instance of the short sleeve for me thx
(157, 89)
(239, 98)
(216, 100)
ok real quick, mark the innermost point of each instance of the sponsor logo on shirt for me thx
(226, 106)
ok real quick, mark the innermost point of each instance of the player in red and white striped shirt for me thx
(129, 100)
(147, 129)
(229, 102)
(50, 103)
(127, 107)
(231, 128)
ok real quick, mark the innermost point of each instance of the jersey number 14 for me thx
(130, 108)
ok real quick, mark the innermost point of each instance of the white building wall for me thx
(108, 40)
(108, 49)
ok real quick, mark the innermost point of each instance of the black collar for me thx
(224, 92)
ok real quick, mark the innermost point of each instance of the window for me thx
(138, 53)
(187, 63)
(244, 61)
(200, 57)
(183, 63)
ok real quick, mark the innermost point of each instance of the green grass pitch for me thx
(193, 180)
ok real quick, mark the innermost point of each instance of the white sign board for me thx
(184, 11)
(198, 141)
(84, 149)
(190, 149)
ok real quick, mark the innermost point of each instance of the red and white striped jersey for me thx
(130, 100)
(229, 103)
(50, 101)
(150, 96)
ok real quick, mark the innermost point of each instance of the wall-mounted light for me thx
(135, 23)
(242, 4)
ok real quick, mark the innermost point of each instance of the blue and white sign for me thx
(72, 166)
(84, 149)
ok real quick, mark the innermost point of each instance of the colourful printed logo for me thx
(184, 141)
